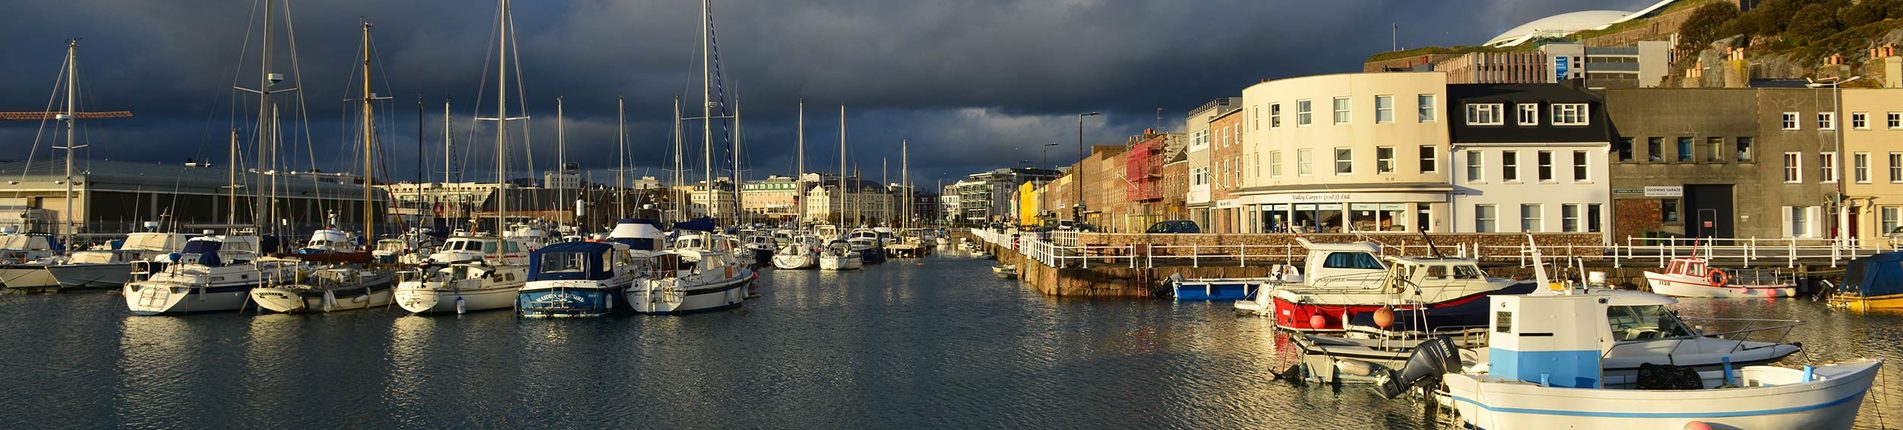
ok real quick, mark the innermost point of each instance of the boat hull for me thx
(662, 297)
(1691, 286)
(566, 302)
(421, 298)
(794, 261)
(1465, 311)
(1196, 291)
(1831, 402)
(839, 263)
(84, 276)
(162, 299)
(295, 299)
(27, 276)
(1855, 302)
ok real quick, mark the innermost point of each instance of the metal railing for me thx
(1065, 249)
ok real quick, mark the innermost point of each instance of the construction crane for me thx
(69, 116)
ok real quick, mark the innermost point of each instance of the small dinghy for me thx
(1005, 271)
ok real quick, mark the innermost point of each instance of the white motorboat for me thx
(1545, 369)
(329, 290)
(798, 253)
(839, 255)
(713, 281)
(112, 268)
(466, 274)
(328, 241)
(760, 247)
(24, 258)
(1694, 277)
(212, 273)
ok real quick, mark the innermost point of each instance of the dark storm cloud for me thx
(973, 84)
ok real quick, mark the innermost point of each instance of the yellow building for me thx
(1030, 203)
(1873, 137)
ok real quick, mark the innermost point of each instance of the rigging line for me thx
(303, 111)
(34, 150)
(476, 112)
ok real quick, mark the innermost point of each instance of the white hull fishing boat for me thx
(328, 290)
(1544, 370)
(1694, 277)
(799, 253)
(713, 282)
(466, 274)
(213, 273)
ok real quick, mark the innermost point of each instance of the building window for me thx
(1344, 161)
(1484, 219)
(1793, 167)
(1510, 166)
(1827, 165)
(1684, 149)
(1826, 120)
(1303, 113)
(1592, 217)
(1475, 167)
(1428, 162)
(1545, 167)
(1580, 173)
(1570, 114)
(1426, 106)
(1304, 162)
(1275, 164)
(1896, 167)
(1744, 149)
(1624, 147)
(1483, 114)
(1569, 218)
(1383, 109)
(1860, 162)
(1668, 211)
(1894, 119)
(1790, 121)
(1530, 218)
(1655, 149)
(1800, 220)
(1275, 115)
(1529, 114)
(1384, 159)
(1715, 149)
(1889, 220)
(1256, 118)
(1860, 120)
(1341, 110)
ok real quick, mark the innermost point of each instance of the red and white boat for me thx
(1349, 283)
(1694, 277)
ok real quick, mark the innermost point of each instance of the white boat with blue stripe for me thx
(576, 279)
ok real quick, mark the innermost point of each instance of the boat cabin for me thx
(639, 235)
(471, 248)
(328, 241)
(1694, 267)
(1337, 262)
(1430, 273)
(580, 261)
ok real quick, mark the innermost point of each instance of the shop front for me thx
(1344, 212)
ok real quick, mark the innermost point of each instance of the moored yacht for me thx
(112, 268)
(798, 253)
(713, 281)
(331, 289)
(466, 274)
(24, 258)
(839, 255)
(212, 273)
(576, 279)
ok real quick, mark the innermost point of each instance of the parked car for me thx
(1174, 226)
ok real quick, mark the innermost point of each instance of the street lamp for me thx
(1837, 136)
(1047, 155)
(1077, 212)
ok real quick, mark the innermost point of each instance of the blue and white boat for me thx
(1545, 368)
(576, 279)
(1208, 289)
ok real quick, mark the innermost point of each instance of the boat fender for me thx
(1355, 367)
(1718, 277)
(1697, 425)
(1431, 359)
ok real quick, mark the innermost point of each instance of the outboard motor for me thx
(1431, 359)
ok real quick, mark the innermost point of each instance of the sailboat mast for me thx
(707, 109)
(369, 146)
(799, 170)
(446, 142)
(680, 204)
(231, 181)
(502, 121)
(72, 77)
(621, 166)
(738, 195)
(561, 151)
(264, 117)
(842, 167)
(905, 184)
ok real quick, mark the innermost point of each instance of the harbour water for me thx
(934, 343)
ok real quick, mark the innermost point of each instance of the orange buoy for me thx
(1384, 317)
(1317, 321)
(1718, 277)
(1697, 425)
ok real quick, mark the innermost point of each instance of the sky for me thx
(972, 85)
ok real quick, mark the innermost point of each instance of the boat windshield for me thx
(565, 262)
(1351, 260)
(1644, 322)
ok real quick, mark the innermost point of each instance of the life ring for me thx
(1717, 277)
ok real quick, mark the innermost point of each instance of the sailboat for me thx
(346, 283)
(839, 255)
(800, 252)
(477, 272)
(217, 272)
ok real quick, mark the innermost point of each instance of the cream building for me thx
(1346, 152)
(1873, 136)
(1529, 158)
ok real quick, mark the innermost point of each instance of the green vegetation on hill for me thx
(1806, 29)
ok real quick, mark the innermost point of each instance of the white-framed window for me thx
(1896, 167)
(1790, 121)
(1793, 167)
(1545, 166)
(1860, 120)
(1425, 106)
(1889, 215)
(1484, 219)
(1827, 166)
(1797, 221)
(1476, 166)
(1571, 114)
(1304, 114)
(1384, 159)
(1860, 164)
(1484, 114)
(1344, 160)
(1429, 162)
(1275, 115)
(1341, 110)
(1383, 109)
(1530, 218)
(1275, 164)
(1581, 173)
(1529, 114)
(1893, 119)
(1510, 166)
(1569, 218)
(1255, 119)
(1826, 120)
(1304, 162)
(1228, 136)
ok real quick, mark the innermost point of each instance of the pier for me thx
(1073, 264)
